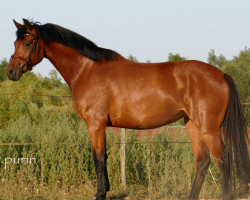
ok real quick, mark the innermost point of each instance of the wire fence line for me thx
(88, 143)
(35, 95)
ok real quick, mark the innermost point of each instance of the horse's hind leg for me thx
(211, 140)
(202, 159)
(216, 147)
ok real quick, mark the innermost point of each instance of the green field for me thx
(159, 167)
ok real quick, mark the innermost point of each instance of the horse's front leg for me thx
(96, 131)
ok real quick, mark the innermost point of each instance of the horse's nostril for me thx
(11, 72)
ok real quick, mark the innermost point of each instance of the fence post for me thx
(123, 157)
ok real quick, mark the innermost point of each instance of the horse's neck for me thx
(69, 63)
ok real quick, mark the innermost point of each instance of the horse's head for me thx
(29, 50)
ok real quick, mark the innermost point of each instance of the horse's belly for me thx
(146, 120)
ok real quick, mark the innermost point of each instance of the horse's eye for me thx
(27, 44)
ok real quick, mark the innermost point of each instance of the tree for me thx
(239, 69)
(3, 65)
(54, 81)
(175, 57)
(132, 58)
(30, 97)
(214, 60)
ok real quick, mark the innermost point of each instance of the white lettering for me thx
(5, 162)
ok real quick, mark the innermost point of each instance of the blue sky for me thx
(146, 29)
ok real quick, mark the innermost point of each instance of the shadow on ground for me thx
(117, 197)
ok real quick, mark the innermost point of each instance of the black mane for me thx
(52, 32)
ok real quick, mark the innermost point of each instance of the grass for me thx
(157, 167)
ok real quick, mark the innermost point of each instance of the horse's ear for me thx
(27, 24)
(19, 26)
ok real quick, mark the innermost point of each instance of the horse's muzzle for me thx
(13, 74)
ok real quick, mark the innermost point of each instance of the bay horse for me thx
(109, 90)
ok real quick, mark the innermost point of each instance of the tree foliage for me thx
(175, 57)
(3, 65)
(214, 60)
(132, 58)
(31, 96)
(239, 69)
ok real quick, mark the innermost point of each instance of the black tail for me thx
(235, 135)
